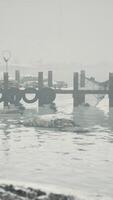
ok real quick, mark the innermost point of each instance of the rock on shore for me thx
(10, 192)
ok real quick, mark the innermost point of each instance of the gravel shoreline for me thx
(10, 192)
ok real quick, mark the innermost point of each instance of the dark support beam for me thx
(110, 89)
(50, 79)
(17, 76)
(5, 89)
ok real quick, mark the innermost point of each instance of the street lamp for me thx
(6, 56)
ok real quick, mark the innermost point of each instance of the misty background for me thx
(59, 35)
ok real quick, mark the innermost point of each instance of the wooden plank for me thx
(63, 91)
(94, 91)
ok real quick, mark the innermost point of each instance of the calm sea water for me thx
(78, 163)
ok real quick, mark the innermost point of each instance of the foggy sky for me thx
(57, 31)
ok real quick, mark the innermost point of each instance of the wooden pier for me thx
(46, 95)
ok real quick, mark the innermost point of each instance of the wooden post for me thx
(82, 78)
(40, 86)
(17, 76)
(110, 89)
(75, 89)
(5, 89)
(50, 79)
(82, 85)
(40, 80)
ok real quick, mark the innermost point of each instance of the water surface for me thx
(81, 162)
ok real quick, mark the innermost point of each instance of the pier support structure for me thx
(46, 104)
(46, 95)
(111, 90)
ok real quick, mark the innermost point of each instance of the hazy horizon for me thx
(68, 32)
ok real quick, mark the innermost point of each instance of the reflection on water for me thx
(110, 117)
(92, 116)
(82, 162)
(89, 116)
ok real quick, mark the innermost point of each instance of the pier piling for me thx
(17, 76)
(110, 89)
(5, 90)
(82, 78)
(40, 80)
(50, 78)
(40, 86)
(75, 89)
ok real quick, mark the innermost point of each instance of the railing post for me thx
(110, 89)
(5, 89)
(50, 79)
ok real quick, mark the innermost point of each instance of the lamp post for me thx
(6, 56)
